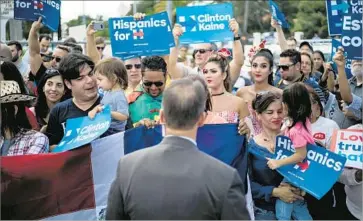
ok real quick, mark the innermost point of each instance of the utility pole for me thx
(169, 9)
(245, 17)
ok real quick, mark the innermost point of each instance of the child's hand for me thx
(273, 164)
(94, 111)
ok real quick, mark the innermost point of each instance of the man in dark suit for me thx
(174, 180)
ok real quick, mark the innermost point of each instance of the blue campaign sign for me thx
(31, 10)
(82, 130)
(319, 163)
(278, 15)
(334, 13)
(150, 36)
(352, 30)
(208, 23)
(334, 48)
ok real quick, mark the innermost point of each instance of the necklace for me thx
(213, 95)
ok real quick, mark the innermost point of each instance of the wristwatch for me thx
(237, 38)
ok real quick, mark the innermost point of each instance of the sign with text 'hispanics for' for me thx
(352, 30)
(82, 130)
(348, 143)
(318, 163)
(334, 13)
(31, 10)
(208, 23)
(149, 36)
(278, 15)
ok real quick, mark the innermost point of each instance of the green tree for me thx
(311, 19)
(79, 21)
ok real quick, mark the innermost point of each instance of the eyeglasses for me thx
(285, 67)
(129, 66)
(150, 83)
(201, 51)
(100, 48)
(57, 59)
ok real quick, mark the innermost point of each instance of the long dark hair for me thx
(321, 69)
(208, 103)
(41, 106)
(13, 120)
(297, 99)
(224, 65)
(11, 73)
(266, 53)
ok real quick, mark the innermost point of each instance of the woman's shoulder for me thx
(275, 90)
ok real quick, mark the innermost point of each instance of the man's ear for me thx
(68, 84)
(162, 116)
(202, 118)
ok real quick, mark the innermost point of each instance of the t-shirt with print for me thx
(323, 130)
(118, 103)
(145, 106)
(59, 115)
(299, 135)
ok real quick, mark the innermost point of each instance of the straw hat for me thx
(10, 92)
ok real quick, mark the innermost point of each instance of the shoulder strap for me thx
(132, 97)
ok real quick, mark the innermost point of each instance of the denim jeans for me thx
(262, 214)
(298, 210)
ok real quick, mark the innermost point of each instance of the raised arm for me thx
(35, 59)
(91, 44)
(280, 34)
(344, 88)
(173, 69)
(238, 57)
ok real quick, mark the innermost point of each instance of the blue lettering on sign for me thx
(131, 38)
(205, 23)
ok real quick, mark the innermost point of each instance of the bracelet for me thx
(237, 38)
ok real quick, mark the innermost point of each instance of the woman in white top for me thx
(322, 127)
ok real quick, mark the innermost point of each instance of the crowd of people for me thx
(42, 89)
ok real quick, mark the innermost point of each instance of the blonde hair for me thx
(114, 69)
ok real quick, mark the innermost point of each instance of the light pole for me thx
(134, 7)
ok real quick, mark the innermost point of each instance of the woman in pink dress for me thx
(217, 76)
(262, 73)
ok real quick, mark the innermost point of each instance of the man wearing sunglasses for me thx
(146, 103)
(290, 70)
(100, 44)
(202, 53)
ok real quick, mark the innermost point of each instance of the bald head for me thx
(5, 53)
(183, 104)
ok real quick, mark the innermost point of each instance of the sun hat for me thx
(10, 92)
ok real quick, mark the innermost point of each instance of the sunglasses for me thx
(100, 48)
(201, 51)
(46, 58)
(57, 59)
(285, 67)
(150, 83)
(129, 66)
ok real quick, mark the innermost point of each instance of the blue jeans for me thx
(262, 214)
(298, 210)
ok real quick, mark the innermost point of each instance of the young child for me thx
(297, 106)
(111, 77)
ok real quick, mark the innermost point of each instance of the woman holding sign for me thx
(266, 183)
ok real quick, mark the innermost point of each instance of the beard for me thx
(15, 58)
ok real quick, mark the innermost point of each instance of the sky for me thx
(72, 9)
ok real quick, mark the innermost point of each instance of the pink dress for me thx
(229, 116)
(214, 119)
(257, 128)
(299, 135)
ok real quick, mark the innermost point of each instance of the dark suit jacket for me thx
(174, 180)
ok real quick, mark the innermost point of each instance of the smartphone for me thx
(98, 26)
(339, 98)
